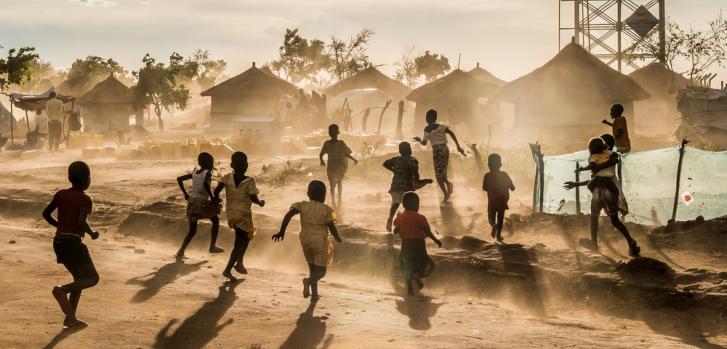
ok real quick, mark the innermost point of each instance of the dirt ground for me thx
(146, 298)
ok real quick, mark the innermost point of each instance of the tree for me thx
(91, 70)
(157, 86)
(16, 68)
(348, 58)
(673, 44)
(208, 70)
(299, 58)
(42, 77)
(406, 67)
(431, 65)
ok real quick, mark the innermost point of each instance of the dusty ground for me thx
(147, 299)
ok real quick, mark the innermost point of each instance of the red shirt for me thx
(411, 225)
(71, 203)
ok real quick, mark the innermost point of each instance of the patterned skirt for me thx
(440, 154)
(202, 209)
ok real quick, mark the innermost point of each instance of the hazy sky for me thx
(508, 37)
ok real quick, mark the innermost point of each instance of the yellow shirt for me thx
(238, 204)
(314, 219)
(623, 143)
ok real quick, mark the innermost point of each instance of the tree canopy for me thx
(157, 85)
(431, 65)
(16, 68)
(300, 58)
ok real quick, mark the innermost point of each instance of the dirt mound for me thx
(698, 235)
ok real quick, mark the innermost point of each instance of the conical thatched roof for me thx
(253, 81)
(371, 78)
(573, 76)
(109, 91)
(658, 80)
(486, 76)
(456, 85)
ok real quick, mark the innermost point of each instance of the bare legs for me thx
(242, 240)
(193, 231)
(392, 212)
(336, 201)
(310, 284)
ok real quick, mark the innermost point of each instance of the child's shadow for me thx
(419, 309)
(309, 331)
(65, 333)
(452, 221)
(200, 328)
(160, 278)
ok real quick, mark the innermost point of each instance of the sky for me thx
(508, 37)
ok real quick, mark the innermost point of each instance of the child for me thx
(603, 165)
(497, 184)
(201, 204)
(619, 129)
(437, 134)
(241, 192)
(406, 178)
(413, 229)
(338, 155)
(604, 197)
(73, 206)
(316, 220)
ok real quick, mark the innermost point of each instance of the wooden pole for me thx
(381, 117)
(365, 119)
(12, 118)
(542, 178)
(578, 189)
(679, 175)
(27, 121)
(399, 120)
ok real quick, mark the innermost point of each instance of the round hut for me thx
(563, 102)
(371, 78)
(254, 93)
(486, 76)
(658, 114)
(454, 96)
(107, 106)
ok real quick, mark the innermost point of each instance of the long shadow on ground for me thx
(153, 282)
(309, 331)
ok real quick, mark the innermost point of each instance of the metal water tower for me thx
(612, 29)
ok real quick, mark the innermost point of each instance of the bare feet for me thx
(493, 233)
(306, 288)
(180, 254)
(215, 249)
(72, 322)
(229, 276)
(240, 268)
(62, 300)
(419, 283)
(389, 222)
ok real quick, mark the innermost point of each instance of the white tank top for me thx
(198, 191)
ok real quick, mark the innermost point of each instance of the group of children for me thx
(317, 219)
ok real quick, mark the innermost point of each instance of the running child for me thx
(437, 134)
(316, 220)
(74, 207)
(406, 178)
(240, 193)
(498, 185)
(201, 204)
(338, 155)
(604, 197)
(413, 229)
(604, 165)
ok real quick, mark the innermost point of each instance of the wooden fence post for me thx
(365, 119)
(539, 180)
(381, 117)
(12, 119)
(578, 189)
(679, 175)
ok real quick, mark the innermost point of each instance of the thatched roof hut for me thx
(568, 97)
(454, 96)
(253, 93)
(107, 106)
(371, 78)
(486, 76)
(658, 115)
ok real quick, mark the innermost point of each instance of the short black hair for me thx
(239, 160)
(205, 160)
(617, 109)
(332, 127)
(596, 145)
(431, 114)
(404, 148)
(410, 200)
(494, 160)
(78, 173)
(317, 191)
(609, 140)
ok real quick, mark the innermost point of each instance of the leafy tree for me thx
(184, 70)
(42, 77)
(431, 65)
(406, 67)
(673, 45)
(92, 70)
(349, 57)
(16, 68)
(300, 58)
(157, 85)
(208, 69)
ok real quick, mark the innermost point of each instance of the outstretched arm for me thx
(334, 231)
(47, 214)
(420, 140)
(320, 157)
(180, 181)
(607, 123)
(613, 160)
(389, 165)
(456, 142)
(570, 184)
(286, 220)
(352, 158)
(429, 234)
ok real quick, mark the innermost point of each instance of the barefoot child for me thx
(406, 178)
(73, 207)
(413, 229)
(498, 185)
(605, 196)
(201, 204)
(241, 192)
(338, 155)
(316, 220)
(437, 134)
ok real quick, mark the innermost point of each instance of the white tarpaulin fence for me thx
(649, 183)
